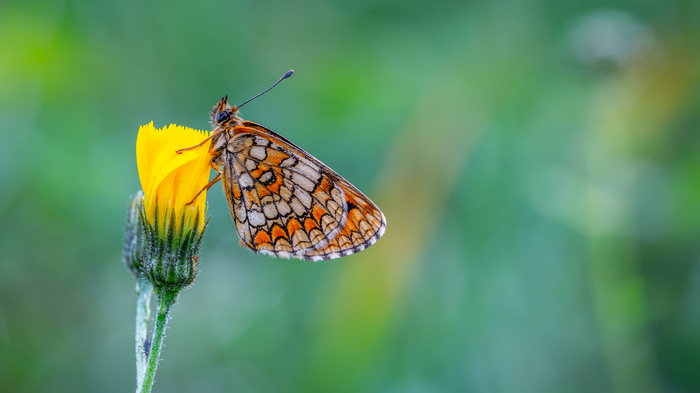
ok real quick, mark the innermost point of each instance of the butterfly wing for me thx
(286, 203)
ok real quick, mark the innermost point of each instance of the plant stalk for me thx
(166, 300)
(144, 290)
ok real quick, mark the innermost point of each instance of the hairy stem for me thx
(144, 290)
(166, 300)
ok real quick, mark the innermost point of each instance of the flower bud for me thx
(173, 208)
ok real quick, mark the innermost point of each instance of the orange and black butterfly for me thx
(285, 202)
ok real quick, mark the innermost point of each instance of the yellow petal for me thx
(170, 180)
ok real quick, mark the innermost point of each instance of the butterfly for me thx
(285, 202)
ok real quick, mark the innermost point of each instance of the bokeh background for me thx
(538, 163)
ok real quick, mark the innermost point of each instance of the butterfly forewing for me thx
(287, 203)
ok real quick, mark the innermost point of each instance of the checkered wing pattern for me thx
(286, 203)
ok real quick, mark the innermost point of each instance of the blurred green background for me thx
(538, 163)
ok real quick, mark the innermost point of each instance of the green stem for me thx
(144, 290)
(166, 300)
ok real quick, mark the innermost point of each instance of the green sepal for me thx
(170, 255)
(132, 254)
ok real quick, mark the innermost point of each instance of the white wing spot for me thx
(265, 177)
(270, 211)
(305, 183)
(297, 207)
(240, 212)
(261, 141)
(258, 152)
(308, 170)
(256, 218)
(285, 193)
(288, 162)
(303, 197)
(283, 207)
(245, 180)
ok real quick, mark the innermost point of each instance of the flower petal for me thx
(171, 180)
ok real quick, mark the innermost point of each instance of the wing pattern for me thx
(286, 203)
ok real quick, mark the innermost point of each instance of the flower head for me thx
(170, 180)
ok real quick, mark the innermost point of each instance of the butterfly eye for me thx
(223, 116)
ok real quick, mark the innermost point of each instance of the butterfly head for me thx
(224, 115)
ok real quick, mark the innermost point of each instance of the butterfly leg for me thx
(213, 134)
(208, 186)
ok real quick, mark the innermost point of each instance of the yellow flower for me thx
(170, 180)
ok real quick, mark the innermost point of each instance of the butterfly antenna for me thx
(285, 76)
